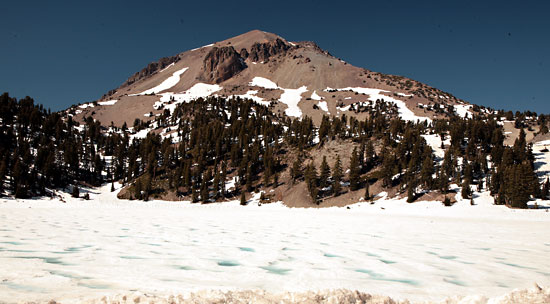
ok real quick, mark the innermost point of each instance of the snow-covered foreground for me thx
(87, 249)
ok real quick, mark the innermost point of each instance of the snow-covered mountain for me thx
(296, 78)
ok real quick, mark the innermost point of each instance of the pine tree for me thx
(337, 176)
(370, 156)
(216, 184)
(76, 192)
(546, 189)
(367, 192)
(296, 170)
(388, 167)
(248, 178)
(243, 198)
(354, 171)
(194, 192)
(310, 175)
(466, 191)
(325, 173)
(426, 173)
(205, 195)
(410, 194)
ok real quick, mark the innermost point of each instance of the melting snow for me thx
(315, 96)
(252, 95)
(542, 159)
(196, 91)
(404, 112)
(86, 105)
(323, 106)
(291, 97)
(203, 47)
(108, 102)
(167, 67)
(434, 141)
(463, 110)
(166, 84)
(263, 82)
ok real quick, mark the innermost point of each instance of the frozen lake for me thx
(85, 251)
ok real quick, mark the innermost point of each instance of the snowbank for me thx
(290, 97)
(166, 84)
(463, 110)
(108, 102)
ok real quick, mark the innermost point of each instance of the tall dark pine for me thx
(337, 176)
(325, 173)
(354, 171)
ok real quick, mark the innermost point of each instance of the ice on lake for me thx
(84, 251)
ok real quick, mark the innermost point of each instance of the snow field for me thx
(420, 251)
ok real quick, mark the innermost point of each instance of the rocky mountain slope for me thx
(295, 78)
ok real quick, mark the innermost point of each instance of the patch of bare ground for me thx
(512, 133)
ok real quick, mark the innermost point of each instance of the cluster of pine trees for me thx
(40, 150)
(215, 139)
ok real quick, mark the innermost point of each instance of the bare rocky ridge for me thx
(221, 63)
(151, 69)
(263, 51)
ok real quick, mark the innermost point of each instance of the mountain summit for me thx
(294, 78)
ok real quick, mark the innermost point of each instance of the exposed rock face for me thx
(262, 51)
(151, 68)
(221, 63)
(244, 53)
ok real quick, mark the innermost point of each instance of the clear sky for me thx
(492, 53)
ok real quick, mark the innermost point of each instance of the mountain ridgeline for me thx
(227, 148)
(259, 115)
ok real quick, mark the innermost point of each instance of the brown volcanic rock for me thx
(221, 63)
(150, 69)
(262, 51)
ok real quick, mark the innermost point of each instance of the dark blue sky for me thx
(492, 53)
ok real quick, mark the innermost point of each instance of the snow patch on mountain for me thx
(86, 105)
(434, 141)
(323, 106)
(167, 67)
(251, 94)
(264, 83)
(166, 84)
(542, 159)
(291, 97)
(404, 112)
(463, 110)
(108, 102)
(171, 100)
(315, 96)
(208, 45)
